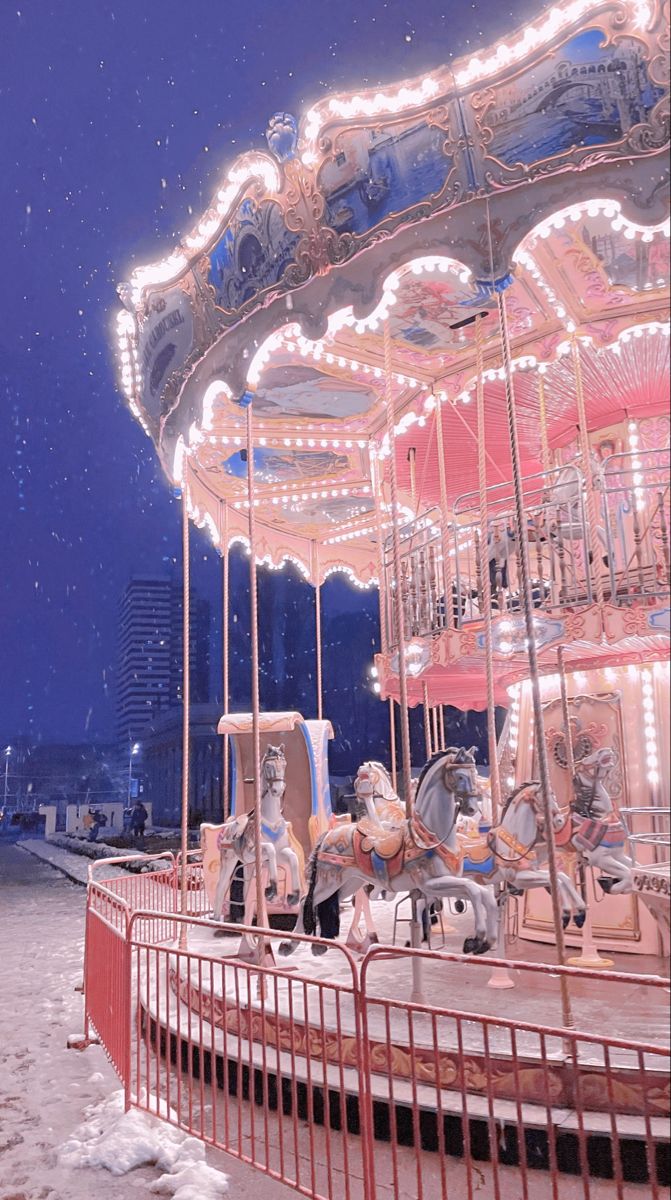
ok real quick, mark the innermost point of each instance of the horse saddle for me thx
(475, 851)
(593, 833)
(386, 843)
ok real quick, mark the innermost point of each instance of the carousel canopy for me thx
(537, 169)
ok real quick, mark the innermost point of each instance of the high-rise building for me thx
(149, 674)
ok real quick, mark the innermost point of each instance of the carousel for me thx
(422, 339)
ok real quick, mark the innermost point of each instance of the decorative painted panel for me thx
(596, 722)
(254, 252)
(588, 92)
(378, 171)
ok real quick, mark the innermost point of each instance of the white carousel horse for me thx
(513, 855)
(420, 855)
(375, 794)
(565, 499)
(596, 832)
(237, 841)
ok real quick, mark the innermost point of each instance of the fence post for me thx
(126, 1010)
(366, 1090)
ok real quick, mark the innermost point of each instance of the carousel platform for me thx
(205, 1011)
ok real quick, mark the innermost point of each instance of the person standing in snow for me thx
(138, 818)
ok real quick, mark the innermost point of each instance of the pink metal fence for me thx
(329, 1079)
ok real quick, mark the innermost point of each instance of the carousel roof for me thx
(405, 207)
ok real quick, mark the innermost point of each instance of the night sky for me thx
(116, 120)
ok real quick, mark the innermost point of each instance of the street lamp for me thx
(133, 749)
(8, 752)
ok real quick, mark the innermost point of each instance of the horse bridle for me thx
(450, 766)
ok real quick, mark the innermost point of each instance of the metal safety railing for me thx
(627, 552)
(636, 518)
(383, 1077)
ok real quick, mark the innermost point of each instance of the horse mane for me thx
(450, 754)
(514, 794)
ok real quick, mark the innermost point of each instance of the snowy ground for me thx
(46, 1088)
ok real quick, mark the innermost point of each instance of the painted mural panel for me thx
(586, 93)
(376, 172)
(253, 254)
(628, 262)
(333, 511)
(302, 391)
(273, 466)
(164, 343)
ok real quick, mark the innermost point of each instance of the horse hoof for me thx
(579, 919)
(286, 948)
(565, 918)
(318, 949)
(270, 892)
(469, 945)
(514, 891)
(607, 883)
(483, 946)
(293, 898)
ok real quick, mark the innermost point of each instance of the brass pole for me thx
(225, 597)
(392, 744)
(427, 723)
(594, 568)
(186, 699)
(525, 587)
(543, 418)
(318, 633)
(485, 582)
(448, 615)
(398, 597)
(261, 917)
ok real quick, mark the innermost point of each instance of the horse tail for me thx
(309, 915)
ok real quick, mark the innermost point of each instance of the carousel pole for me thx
(186, 700)
(427, 723)
(392, 744)
(485, 582)
(318, 632)
(376, 486)
(500, 978)
(444, 517)
(523, 566)
(543, 418)
(417, 995)
(441, 718)
(592, 511)
(261, 916)
(589, 955)
(224, 657)
(435, 737)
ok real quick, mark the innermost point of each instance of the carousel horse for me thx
(376, 799)
(512, 856)
(565, 497)
(237, 841)
(593, 830)
(419, 855)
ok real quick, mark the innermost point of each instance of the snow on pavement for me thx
(122, 1141)
(46, 1089)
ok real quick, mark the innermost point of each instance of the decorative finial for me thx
(282, 136)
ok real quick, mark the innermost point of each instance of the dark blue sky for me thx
(116, 119)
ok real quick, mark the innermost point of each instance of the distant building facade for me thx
(162, 765)
(150, 642)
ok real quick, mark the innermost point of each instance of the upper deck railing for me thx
(627, 552)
